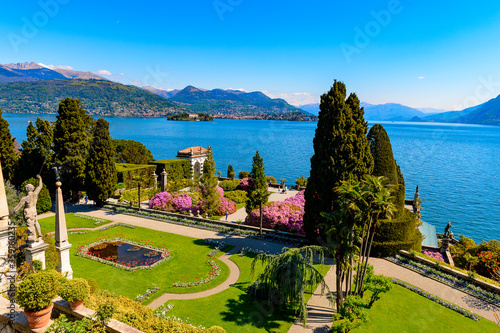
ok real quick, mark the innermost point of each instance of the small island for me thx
(191, 117)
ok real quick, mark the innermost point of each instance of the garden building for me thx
(196, 156)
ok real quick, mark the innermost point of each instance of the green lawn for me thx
(401, 310)
(48, 224)
(233, 309)
(188, 262)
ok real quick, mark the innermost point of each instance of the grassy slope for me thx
(402, 310)
(233, 309)
(189, 261)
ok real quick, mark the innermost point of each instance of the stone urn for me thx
(38, 319)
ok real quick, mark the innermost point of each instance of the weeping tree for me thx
(287, 276)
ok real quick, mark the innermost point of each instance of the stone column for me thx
(7, 263)
(164, 180)
(62, 245)
(155, 179)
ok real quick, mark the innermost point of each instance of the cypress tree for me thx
(101, 172)
(341, 152)
(209, 194)
(257, 192)
(230, 172)
(37, 150)
(71, 143)
(8, 155)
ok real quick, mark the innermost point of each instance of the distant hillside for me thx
(390, 112)
(31, 71)
(99, 97)
(232, 102)
(311, 108)
(162, 92)
(485, 114)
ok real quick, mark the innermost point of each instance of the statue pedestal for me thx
(36, 251)
(64, 266)
(445, 243)
(5, 260)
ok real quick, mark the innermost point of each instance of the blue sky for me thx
(441, 54)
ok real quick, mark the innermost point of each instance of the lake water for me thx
(455, 166)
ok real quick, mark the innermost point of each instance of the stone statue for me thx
(447, 230)
(30, 216)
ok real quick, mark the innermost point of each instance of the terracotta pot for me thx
(38, 319)
(76, 305)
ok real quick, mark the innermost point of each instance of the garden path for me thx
(319, 308)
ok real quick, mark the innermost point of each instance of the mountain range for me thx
(31, 71)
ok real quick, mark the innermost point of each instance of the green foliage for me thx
(8, 156)
(51, 256)
(341, 152)
(229, 184)
(230, 172)
(36, 150)
(387, 249)
(63, 325)
(177, 169)
(130, 151)
(257, 191)
(72, 137)
(126, 173)
(209, 194)
(44, 203)
(244, 174)
(287, 276)
(76, 289)
(133, 195)
(92, 284)
(37, 290)
(100, 97)
(37, 265)
(237, 196)
(101, 172)
(302, 181)
(270, 179)
(105, 312)
(12, 200)
(350, 315)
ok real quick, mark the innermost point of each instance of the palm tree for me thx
(288, 275)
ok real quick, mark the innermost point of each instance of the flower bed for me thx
(118, 225)
(246, 250)
(447, 279)
(434, 254)
(214, 273)
(147, 294)
(163, 310)
(96, 220)
(438, 300)
(83, 251)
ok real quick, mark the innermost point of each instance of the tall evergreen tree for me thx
(257, 192)
(8, 155)
(101, 172)
(209, 195)
(130, 151)
(230, 172)
(36, 151)
(341, 152)
(71, 143)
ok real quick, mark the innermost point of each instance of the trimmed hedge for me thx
(177, 169)
(237, 196)
(127, 171)
(388, 249)
(230, 184)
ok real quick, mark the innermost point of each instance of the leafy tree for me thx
(101, 172)
(350, 315)
(8, 155)
(36, 152)
(341, 152)
(302, 181)
(257, 192)
(12, 200)
(287, 276)
(44, 203)
(243, 174)
(230, 172)
(130, 151)
(72, 142)
(210, 196)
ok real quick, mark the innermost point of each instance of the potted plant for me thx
(75, 291)
(35, 294)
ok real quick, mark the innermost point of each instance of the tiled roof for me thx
(194, 150)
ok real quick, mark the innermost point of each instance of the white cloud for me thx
(55, 67)
(298, 98)
(122, 74)
(240, 89)
(421, 77)
(103, 72)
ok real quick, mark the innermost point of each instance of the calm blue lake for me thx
(455, 166)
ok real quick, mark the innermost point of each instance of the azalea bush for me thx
(488, 263)
(244, 184)
(226, 205)
(178, 202)
(287, 215)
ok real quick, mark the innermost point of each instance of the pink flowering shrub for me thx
(287, 215)
(182, 203)
(220, 190)
(226, 205)
(161, 201)
(434, 254)
(244, 184)
(178, 202)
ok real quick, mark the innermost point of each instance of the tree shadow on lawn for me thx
(247, 310)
